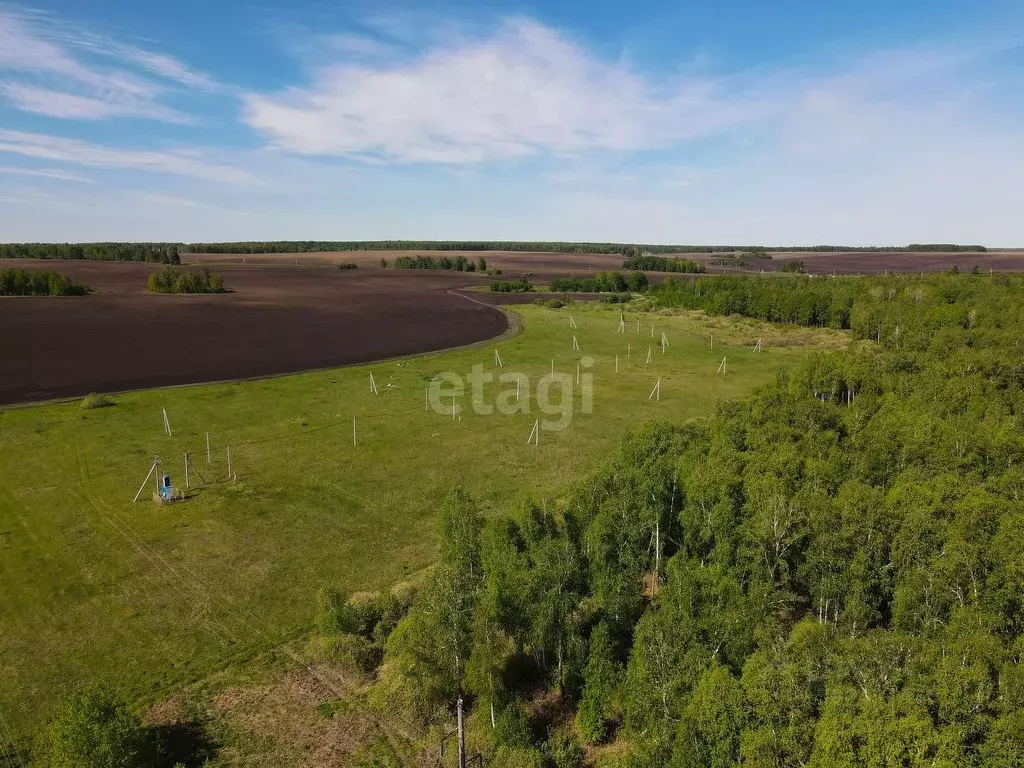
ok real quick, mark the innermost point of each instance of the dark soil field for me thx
(293, 312)
(275, 320)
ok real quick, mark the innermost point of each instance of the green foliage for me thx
(651, 263)
(171, 280)
(792, 265)
(163, 253)
(522, 285)
(601, 681)
(616, 298)
(96, 729)
(93, 400)
(553, 303)
(460, 263)
(26, 282)
(349, 265)
(827, 573)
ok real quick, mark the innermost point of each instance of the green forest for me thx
(163, 253)
(829, 573)
(25, 282)
(171, 280)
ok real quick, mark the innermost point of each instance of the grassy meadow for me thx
(155, 597)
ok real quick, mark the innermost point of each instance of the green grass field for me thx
(155, 597)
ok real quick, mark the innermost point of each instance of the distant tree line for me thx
(171, 280)
(626, 249)
(651, 263)
(458, 263)
(25, 282)
(163, 253)
(602, 282)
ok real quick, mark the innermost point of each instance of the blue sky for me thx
(744, 122)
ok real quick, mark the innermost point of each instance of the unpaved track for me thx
(277, 320)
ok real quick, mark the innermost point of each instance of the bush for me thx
(554, 303)
(793, 265)
(522, 285)
(171, 280)
(616, 298)
(96, 729)
(93, 400)
(348, 265)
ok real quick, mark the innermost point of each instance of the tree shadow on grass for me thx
(186, 744)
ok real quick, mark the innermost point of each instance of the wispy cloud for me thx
(524, 91)
(189, 162)
(46, 173)
(52, 69)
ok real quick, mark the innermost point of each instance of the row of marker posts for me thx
(534, 433)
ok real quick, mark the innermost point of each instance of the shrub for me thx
(554, 303)
(94, 400)
(383, 263)
(96, 729)
(616, 298)
(348, 265)
(522, 285)
(793, 265)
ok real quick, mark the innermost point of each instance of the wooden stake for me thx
(497, 359)
(208, 461)
(652, 330)
(167, 424)
(517, 388)
(553, 364)
(534, 434)
(230, 475)
(426, 398)
(616, 363)
(186, 472)
(353, 430)
(648, 354)
(152, 467)
(462, 737)
(638, 325)
(712, 341)
(627, 350)
(721, 368)
(577, 374)
(656, 392)
(373, 385)
(575, 346)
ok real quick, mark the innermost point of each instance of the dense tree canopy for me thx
(171, 280)
(25, 282)
(829, 573)
(166, 253)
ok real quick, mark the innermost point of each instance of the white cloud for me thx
(525, 91)
(50, 68)
(188, 162)
(46, 173)
(71, 106)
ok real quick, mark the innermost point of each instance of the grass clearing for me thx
(157, 597)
